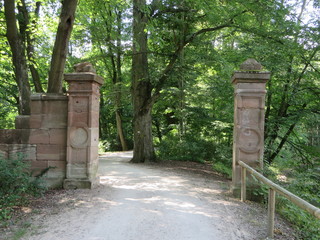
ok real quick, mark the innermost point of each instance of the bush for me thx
(308, 225)
(303, 181)
(222, 168)
(16, 185)
(191, 148)
(188, 148)
(306, 185)
(222, 160)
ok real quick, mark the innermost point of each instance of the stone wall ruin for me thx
(50, 137)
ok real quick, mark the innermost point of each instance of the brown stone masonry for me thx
(41, 137)
(248, 136)
(62, 132)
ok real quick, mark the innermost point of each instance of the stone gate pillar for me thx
(249, 103)
(83, 129)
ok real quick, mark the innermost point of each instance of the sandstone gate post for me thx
(249, 103)
(83, 129)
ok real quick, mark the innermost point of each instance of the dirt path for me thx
(145, 202)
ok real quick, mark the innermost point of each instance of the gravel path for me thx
(147, 202)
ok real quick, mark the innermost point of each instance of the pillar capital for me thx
(250, 72)
(83, 77)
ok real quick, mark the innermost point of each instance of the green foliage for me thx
(305, 184)
(303, 180)
(16, 185)
(222, 160)
(223, 168)
(187, 149)
(308, 226)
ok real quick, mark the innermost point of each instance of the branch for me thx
(285, 137)
(190, 38)
(308, 61)
(263, 35)
(171, 10)
(169, 67)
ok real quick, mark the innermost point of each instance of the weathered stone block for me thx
(77, 170)
(92, 170)
(55, 107)
(55, 120)
(251, 86)
(83, 87)
(35, 121)
(95, 103)
(39, 136)
(51, 152)
(79, 104)
(94, 120)
(249, 117)
(42, 103)
(80, 183)
(38, 166)
(84, 76)
(10, 136)
(94, 137)
(77, 117)
(36, 106)
(25, 151)
(4, 151)
(22, 122)
(58, 170)
(94, 153)
(24, 136)
(250, 101)
(80, 155)
(250, 77)
(58, 136)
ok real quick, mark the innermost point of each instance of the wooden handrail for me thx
(271, 202)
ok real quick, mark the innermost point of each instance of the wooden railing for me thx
(273, 188)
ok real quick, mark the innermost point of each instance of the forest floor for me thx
(167, 201)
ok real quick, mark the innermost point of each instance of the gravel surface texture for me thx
(165, 201)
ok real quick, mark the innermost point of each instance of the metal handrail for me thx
(273, 188)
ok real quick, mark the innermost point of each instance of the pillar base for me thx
(80, 183)
(252, 192)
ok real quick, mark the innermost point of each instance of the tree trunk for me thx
(181, 81)
(18, 57)
(123, 141)
(60, 48)
(118, 85)
(141, 88)
(116, 63)
(25, 31)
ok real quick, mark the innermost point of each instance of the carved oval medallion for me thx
(249, 140)
(79, 137)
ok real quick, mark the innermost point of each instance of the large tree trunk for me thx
(60, 48)
(141, 88)
(143, 141)
(18, 57)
